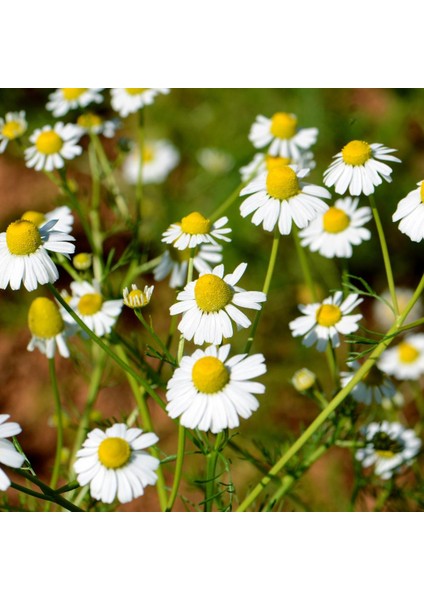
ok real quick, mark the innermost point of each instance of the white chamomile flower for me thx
(374, 387)
(209, 303)
(175, 262)
(129, 100)
(13, 126)
(93, 123)
(51, 146)
(410, 213)
(262, 163)
(406, 360)
(159, 158)
(210, 392)
(98, 314)
(389, 447)
(303, 380)
(358, 167)
(62, 216)
(115, 463)
(215, 161)
(384, 316)
(24, 255)
(47, 327)
(338, 229)
(280, 196)
(283, 135)
(9, 456)
(195, 229)
(324, 321)
(137, 298)
(63, 100)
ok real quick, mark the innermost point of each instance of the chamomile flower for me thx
(282, 135)
(262, 163)
(280, 196)
(210, 392)
(195, 229)
(338, 229)
(175, 262)
(129, 100)
(324, 321)
(62, 216)
(93, 123)
(374, 387)
(51, 146)
(24, 254)
(98, 314)
(303, 380)
(115, 463)
(406, 360)
(138, 298)
(62, 100)
(9, 456)
(47, 326)
(209, 303)
(410, 213)
(384, 316)
(359, 168)
(13, 126)
(159, 158)
(389, 447)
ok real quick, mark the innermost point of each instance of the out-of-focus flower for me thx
(159, 158)
(282, 135)
(374, 387)
(303, 380)
(410, 213)
(406, 360)
(215, 161)
(63, 100)
(175, 262)
(13, 126)
(129, 100)
(9, 456)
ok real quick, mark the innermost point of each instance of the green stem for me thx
(212, 459)
(94, 215)
(50, 494)
(154, 335)
(304, 265)
(59, 425)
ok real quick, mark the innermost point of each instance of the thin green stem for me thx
(211, 461)
(94, 214)
(304, 265)
(229, 201)
(59, 425)
(50, 494)
(154, 335)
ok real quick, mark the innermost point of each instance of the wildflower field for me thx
(211, 300)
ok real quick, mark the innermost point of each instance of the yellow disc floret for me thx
(195, 224)
(272, 162)
(210, 375)
(407, 352)
(49, 142)
(90, 304)
(282, 183)
(212, 293)
(148, 154)
(35, 217)
(44, 318)
(356, 153)
(335, 220)
(114, 452)
(73, 93)
(422, 191)
(23, 237)
(135, 91)
(89, 121)
(82, 261)
(283, 125)
(13, 129)
(328, 315)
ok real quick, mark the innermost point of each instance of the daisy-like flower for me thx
(195, 229)
(24, 254)
(384, 316)
(129, 100)
(83, 261)
(138, 298)
(406, 360)
(63, 100)
(358, 167)
(338, 229)
(410, 213)
(159, 158)
(62, 216)
(282, 135)
(9, 456)
(389, 447)
(209, 392)
(51, 146)
(374, 387)
(303, 380)
(93, 123)
(175, 262)
(280, 196)
(98, 314)
(13, 126)
(115, 463)
(209, 303)
(47, 326)
(324, 321)
(262, 163)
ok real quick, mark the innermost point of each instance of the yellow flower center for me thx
(135, 91)
(385, 453)
(328, 315)
(82, 261)
(356, 153)
(12, 129)
(210, 375)
(49, 142)
(44, 318)
(282, 183)
(195, 223)
(35, 217)
(335, 220)
(114, 452)
(407, 352)
(73, 93)
(212, 293)
(273, 162)
(90, 304)
(136, 299)
(283, 125)
(422, 191)
(23, 237)
(89, 120)
(148, 154)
